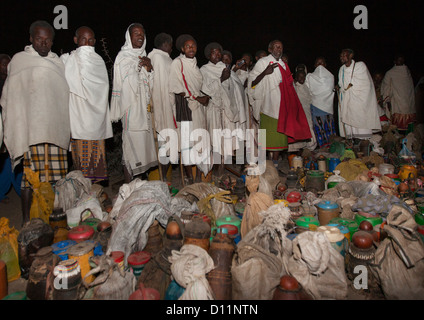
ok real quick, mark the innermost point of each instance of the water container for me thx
(137, 261)
(344, 230)
(374, 221)
(60, 248)
(332, 164)
(337, 239)
(351, 224)
(327, 210)
(229, 220)
(174, 291)
(333, 180)
(315, 181)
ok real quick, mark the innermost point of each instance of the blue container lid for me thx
(62, 246)
(97, 251)
(326, 204)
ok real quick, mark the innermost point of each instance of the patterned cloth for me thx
(324, 126)
(89, 156)
(34, 159)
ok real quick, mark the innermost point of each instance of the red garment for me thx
(291, 119)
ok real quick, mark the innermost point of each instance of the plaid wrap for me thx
(34, 159)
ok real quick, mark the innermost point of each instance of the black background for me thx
(306, 28)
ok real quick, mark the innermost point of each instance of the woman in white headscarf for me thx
(130, 103)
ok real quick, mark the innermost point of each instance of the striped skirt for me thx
(89, 156)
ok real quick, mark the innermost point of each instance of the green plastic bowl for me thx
(306, 221)
(373, 221)
(351, 224)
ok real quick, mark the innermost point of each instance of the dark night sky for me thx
(307, 28)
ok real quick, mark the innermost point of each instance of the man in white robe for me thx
(185, 82)
(305, 98)
(358, 117)
(131, 93)
(35, 101)
(397, 88)
(163, 100)
(225, 106)
(88, 82)
(321, 85)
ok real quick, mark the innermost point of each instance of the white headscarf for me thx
(125, 63)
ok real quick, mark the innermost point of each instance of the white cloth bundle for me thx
(189, 267)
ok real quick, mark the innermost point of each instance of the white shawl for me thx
(88, 82)
(359, 102)
(131, 88)
(193, 78)
(398, 86)
(225, 95)
(35, 103)
(163, 100)
(266, 96)
(321, 84)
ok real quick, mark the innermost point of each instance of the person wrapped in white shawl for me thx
(185, 82)
(163, 100)
(397, 88)
(321, 86)
(88, 82)
(131, 93)
(226, 103)
(358, 116)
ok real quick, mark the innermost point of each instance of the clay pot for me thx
(290, 289)
(104, 225)
(173, 231)
(362, 239)
(366, 226)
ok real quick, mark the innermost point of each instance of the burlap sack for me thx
(399, 260)
(318, 267)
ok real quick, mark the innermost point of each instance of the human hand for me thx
(225, 74)
(146, 63)
(270, 68)
(204, 100)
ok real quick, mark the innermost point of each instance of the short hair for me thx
(210, 47)
(228, 53)
(272, 43)
(259, 52)
(349, 51)
(161, 39)
(135, 24)
(83, 27)
(41, 24)
(249, 55)
(179, 43)
(300, 71)
(5, 56)
(320, 58)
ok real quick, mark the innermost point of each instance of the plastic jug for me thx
(333, 180)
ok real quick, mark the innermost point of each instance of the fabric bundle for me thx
(189, 268)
